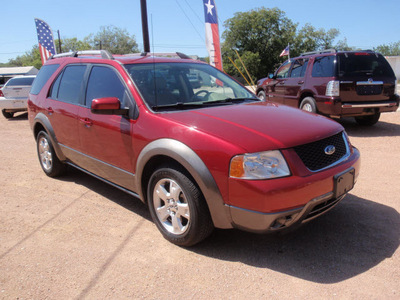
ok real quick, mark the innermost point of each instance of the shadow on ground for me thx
(354, 237)
(19, 117)
(380, 129)
(125, 200)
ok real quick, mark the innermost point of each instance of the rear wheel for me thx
(368, 120)
(7, 115)
(309, 104)
(177, 207)
(48, 159)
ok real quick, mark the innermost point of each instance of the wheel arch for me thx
(164, 151)
(41, 122)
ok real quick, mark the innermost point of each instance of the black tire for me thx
(368, 120)
(180, 211)
(7, 115)
(261, 95)
(309, 104)
(48, 159)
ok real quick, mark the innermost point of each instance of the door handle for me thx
(282, 82)
(50, 110)
(300, 82)
(86, 121)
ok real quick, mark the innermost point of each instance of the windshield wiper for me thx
(178, 105)
(230, 100)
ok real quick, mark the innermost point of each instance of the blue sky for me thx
(178, 25)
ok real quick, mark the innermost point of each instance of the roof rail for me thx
(319, 52)
(171, 54)
(103, 53)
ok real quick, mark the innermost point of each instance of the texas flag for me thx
(45, 38)
(212, 34)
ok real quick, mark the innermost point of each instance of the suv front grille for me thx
(314, 154)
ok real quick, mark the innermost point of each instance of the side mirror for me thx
(108, 106)
(271, 76)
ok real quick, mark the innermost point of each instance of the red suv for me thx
(202, 155)
(337, 84)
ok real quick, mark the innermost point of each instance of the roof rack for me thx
(319, 52)
(171, 54)
(103, 53)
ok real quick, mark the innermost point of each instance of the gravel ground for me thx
(76, 237)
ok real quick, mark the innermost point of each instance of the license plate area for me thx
(343, 182)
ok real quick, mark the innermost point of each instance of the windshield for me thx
(363, 63)
(186, 85)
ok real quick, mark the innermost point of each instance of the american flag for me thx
(45, 38)
(285, 51)
(212, 34)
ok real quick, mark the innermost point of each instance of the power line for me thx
(190, 21)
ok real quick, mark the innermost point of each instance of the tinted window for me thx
(324, 66)
(42, 77)
(104, 82)
(299, 68)
(20, 81)
(283, 71)
(71, 84)
(370, 64)
(54, 89)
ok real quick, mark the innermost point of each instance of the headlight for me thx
(262, 165)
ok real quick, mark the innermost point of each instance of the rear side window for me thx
(71, 84)
(299, 68)
(20, 81)
(104, 82)
(324, 66)
(42, 77)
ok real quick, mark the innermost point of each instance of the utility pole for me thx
(145, 26)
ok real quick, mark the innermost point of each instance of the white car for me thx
(14, 95)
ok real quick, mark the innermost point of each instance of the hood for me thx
(258, 126)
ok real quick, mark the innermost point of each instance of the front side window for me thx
(71, 84)
(186, 85)
(283, 70)
(324, 66)
(104, 82)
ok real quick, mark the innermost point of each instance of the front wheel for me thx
(48, 159)
(7, 115)
(177, 207)
(368, 120)
(261, 95)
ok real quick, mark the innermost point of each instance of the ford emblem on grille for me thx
(329, 150)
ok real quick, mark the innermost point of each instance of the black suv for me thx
(358, 84)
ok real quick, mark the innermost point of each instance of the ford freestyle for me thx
(201, 154)
(358, 84)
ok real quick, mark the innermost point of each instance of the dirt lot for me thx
(76, 237)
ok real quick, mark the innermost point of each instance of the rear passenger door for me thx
(294, 82)
(106, 139)
(62, 106)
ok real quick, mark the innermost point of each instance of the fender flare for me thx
(185, 156)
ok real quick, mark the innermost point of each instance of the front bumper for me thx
(288, 202)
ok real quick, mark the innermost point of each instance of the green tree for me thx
(72, 44)
(30, 58)
(392, 49)
(113, 39)
(262, 32)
